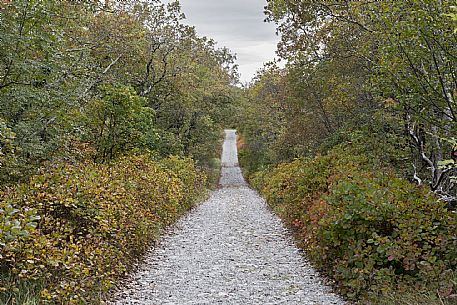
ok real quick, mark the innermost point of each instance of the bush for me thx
(292, 187)
(382, 232)
(75, 229)
(8, 158)
(374, 233)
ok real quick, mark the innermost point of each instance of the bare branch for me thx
(111, 64)
(416, 177)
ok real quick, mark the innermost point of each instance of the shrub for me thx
(8, 158)
(381, 232)
(290, 188)
(77, 228)
(374, 233)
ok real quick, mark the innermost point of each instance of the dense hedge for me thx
(71, 232)
(377, 235)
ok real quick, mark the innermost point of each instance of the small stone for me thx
(229, 250)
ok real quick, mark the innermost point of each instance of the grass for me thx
(27, 292)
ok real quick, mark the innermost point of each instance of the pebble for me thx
(229, 250)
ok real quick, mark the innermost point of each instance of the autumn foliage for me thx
(76, 228)
(95, 96)
(374, 233)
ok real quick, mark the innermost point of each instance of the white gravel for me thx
(229, 250)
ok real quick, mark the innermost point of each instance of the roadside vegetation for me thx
(353, 143)
(111, 115)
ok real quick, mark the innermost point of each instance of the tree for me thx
(118, 121)
(402, 52)
(59, 57)
(263, 121)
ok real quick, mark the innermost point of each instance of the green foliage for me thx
(364, 106)
(351, 62)
(262, 121)
(453, 15)
(8, 159)
(374, 233)
(126, 76)
(17, 227)
(40, 78)
(118, 122)
(7, 137)
(382, 230)
(77, 228)
(89, 92)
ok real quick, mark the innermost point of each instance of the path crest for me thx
(229, 250)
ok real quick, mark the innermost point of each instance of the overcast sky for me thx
(238, 25)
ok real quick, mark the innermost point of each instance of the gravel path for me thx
(229, 250)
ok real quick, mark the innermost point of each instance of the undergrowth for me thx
(382, 239)
(70, 233)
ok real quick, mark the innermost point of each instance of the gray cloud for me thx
(238, 25)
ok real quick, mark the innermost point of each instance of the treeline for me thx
(94, 98)
(104, 78)
(364, 118)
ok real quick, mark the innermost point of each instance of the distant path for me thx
(229, 250)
